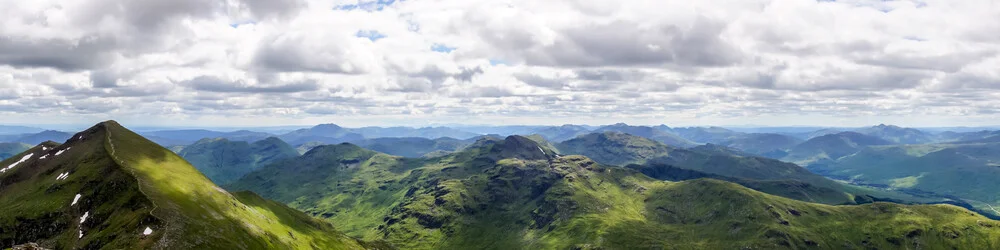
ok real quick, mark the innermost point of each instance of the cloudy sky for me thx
(419, 62)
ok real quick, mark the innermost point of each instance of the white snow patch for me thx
(84, 217)
(23, 159)
(45, 148)
(43, 157)
(81, 234)
(61, 151)
(77, 198)
(540, 150)
(62, 176)
(148, 231)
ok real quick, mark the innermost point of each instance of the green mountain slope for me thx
(412, 146)
(651, 133)
(108, 187)
(222, 160)
(831, 147)
(966, 171)
(8, 150)
(514, 194)
(898, 135)
(623, 149)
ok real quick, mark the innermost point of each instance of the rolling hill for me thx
(8, 150)
(648, 156)
(898, 135)
(222, 160)
(324, 133)
(47, 135)
(110, 188)
(831, 147)
(186, 137)
(649, 133)
(514, 194)
(412, 146)
(965, 171)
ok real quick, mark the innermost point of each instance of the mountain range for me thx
(513, 193)
(110, 188)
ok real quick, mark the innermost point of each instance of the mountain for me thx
(413, 146)
(764, 144)
(186, 137)
(898, 135)
(649, 133)
(16, 130)
(831, 147)
(561, 133)
(8, 150)
(949, 136)
(514, 194)
(705, 134)
(110, 188)
(323, 133)
(223, 161)
(623, 149)
(403, 132)
(48, 135)
(965, 171)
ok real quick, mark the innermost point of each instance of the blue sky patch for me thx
(442, 48)
(369, 6)
(237, 24)
(373, 35)
(495, 62)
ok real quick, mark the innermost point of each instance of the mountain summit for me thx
(108, 187)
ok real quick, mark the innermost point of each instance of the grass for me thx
(128, 183)
(475, 199)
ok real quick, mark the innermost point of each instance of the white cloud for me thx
(561, 61)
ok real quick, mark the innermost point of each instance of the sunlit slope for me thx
(127, 184)
(515, 194)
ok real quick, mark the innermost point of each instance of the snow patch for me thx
(61, 151)
(43, 157)
(23, 159)
(540, 150)
(62, 176)
(81, 234)
(45, 148)
(148, 231)
(77, 198)
(84, 217)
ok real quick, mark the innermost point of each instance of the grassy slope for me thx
(476, 200)
(223, 161)
(127, 183)
(8, 150)
(763, 174)
(198, 214)
(967, 171)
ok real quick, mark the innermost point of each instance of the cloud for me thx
(215, 84)
(560, 61)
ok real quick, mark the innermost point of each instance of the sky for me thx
(425, 62)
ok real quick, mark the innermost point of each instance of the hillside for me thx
(223, 161)
(512, 194)
(966, 171)
(324, 133)
(412, 146)
(649, 133)
(186, 137)
(8, 150)
(623, 149)
(48, 135)
(561, 133)
(108, 187)
(898, 135)
(831, 147)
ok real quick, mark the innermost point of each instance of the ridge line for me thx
(166, 223)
